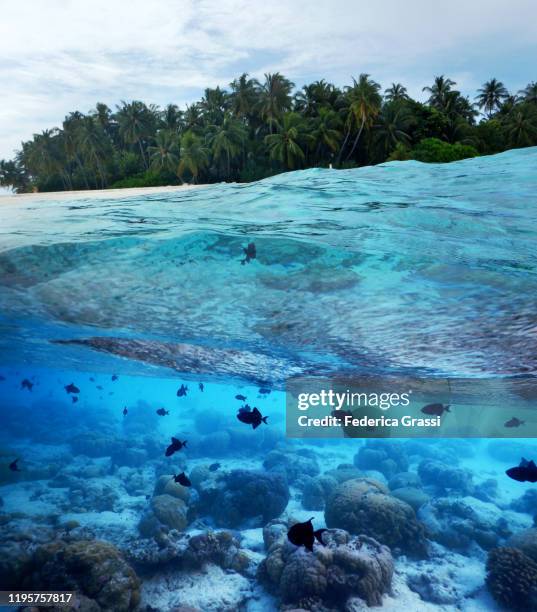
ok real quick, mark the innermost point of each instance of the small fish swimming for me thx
(182, 391)
(526, 471)
(71, 388)
(92, 379)
(175, 446)
(162, 412)
(100, 387)
(27, 384)
(435, 409)
(213, 467)
(74, 399)
(2, 378)
(251, 417)
(264, 391)
(302, 534)
(114, 377)
(14, 467)
(125, 411)
(241, 398)
(182, 479)
(250, 253)
(514, 422)
(201, 387)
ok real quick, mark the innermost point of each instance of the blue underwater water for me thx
(402, 268)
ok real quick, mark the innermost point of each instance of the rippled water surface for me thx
(397, 266)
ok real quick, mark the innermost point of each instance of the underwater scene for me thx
(145, 347)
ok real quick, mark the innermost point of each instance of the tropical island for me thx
(258, 129)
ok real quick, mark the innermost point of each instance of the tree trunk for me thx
(356, 139)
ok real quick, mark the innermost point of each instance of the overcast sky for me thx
(60, 55)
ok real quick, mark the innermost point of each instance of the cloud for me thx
(61, 55)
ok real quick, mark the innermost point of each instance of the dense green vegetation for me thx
(256, 129)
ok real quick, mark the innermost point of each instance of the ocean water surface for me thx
(402, 268)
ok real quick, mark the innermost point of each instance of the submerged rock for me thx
(295, 465)
(316, 491)
(170, 511)
(365, 506)
(345, 567)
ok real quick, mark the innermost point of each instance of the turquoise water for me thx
(399, 268)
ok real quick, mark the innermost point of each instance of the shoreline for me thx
(93, 194)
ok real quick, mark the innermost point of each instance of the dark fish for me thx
(27, 384)
(241, 398)
(114, 377)
(201, 386)
(181, 392)
(175, 446)
(162, 412)
(92, 379)
(264, 391)
(514, 422)
(100, 387)
(125, 411)
(213, 467)
(251, 417)
(2, 378)
(435, 409)
(302, 534)
(525, 472)
(74, 399)
(250, 253)
(182, 479)
(71, 388)
(14, 467)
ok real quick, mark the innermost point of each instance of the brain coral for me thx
(512, 579)
(94, 569)
(347, 566)
(363, 506)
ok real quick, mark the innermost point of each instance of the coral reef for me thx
(445, 478)
(512, 579)
(388, 457)
(294, 464)
(526, 541)
(345, 567)
(364, 506)
(246, 496)
(316, 491)
(461, 522)
(94, 569)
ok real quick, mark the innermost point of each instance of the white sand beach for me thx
(93, 194)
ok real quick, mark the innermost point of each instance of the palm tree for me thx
(326, 132)
(315, 96)
(529, 93)
(364, 106)
(243, 97)
(227, 140)
(164, 154)
(135, 124)
(396, 93)
(439, 90)
(194, 155)
(491, 95)
(284, 146)
(92, 141)
(214, 104)
(521, 126)
(171, 118)
(392, 127)
(275, 98)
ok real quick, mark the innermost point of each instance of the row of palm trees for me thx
(256, 129)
